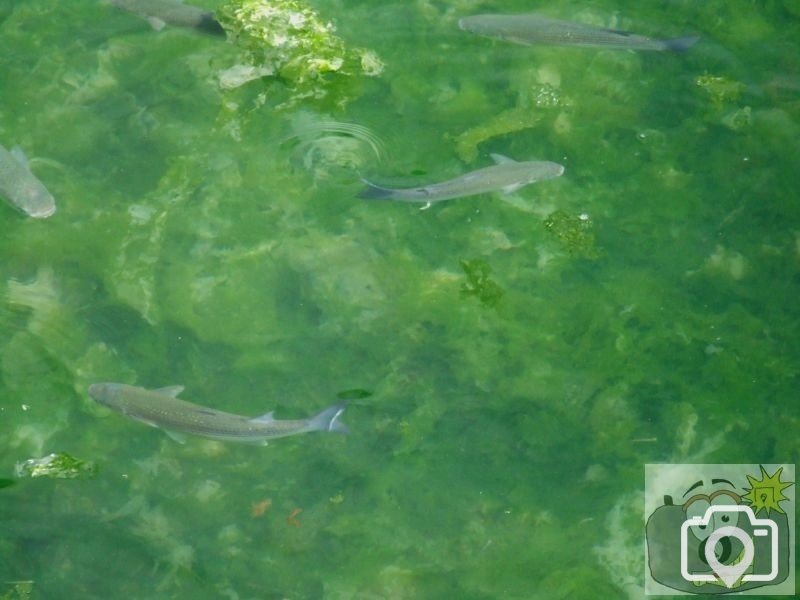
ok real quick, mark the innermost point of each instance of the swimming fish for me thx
(21, 187)
(507, 175)
(160, 13)
(162, 408)
(531, 29)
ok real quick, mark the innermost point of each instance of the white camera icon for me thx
(730, 574)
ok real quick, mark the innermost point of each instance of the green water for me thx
(525, 356)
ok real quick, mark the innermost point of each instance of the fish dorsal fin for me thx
(171, 390)
(501, 160)
(266, 418)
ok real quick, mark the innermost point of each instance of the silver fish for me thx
(160, 13)
(162, 408)
(21, 188)
(531, 29)
(507, 175)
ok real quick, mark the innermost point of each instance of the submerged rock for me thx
(56, 466)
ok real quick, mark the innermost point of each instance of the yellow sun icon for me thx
(766, 493)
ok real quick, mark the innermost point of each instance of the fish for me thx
(160, 13)
(21, 187)
(163, 409)
(532, 29)
(506, 175)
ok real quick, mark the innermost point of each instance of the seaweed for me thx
(56, 466)
(515, 394)
(287, 40)
(479, 283)
(721, 91)
(508, 121)
(20, 590)
(574, 232)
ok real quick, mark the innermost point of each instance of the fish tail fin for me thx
(328, 419)
(681, 44)
(208, 24)
(375, 192)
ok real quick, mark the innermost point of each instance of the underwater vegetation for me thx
(501, 405)
(574, 232)
(57, 466)
(479, 282)
(289, 41)
(721, 90)
(18, 590)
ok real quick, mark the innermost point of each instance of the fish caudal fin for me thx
(681, 44)
(208, 24)
(375, 192)
(328, 419)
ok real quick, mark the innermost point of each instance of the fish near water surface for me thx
(532, 29)
(162, 408)
(160, 13)
(507, 175)
(21, 187)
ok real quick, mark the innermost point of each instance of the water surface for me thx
(525, 356)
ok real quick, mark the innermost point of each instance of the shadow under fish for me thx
(532, 29)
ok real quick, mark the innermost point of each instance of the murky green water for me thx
(525, 355)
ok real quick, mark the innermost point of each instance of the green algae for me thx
(479, 282)
(574, 232)
(56, 466)
(538, 92)
(510, 121)
(721, 90)
(288, 40)
(494, 442)
(19, 590)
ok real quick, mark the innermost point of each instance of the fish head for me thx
(104, 393)
(35, 201)
(507, 27)
(480, 24)
(43, 211)
(541, 170)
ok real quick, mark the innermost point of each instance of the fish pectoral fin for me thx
(266, 418)
(501, 160)
(171, 390)
(511, 188)
(156, 23)
(145, 421)
(178, 437)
